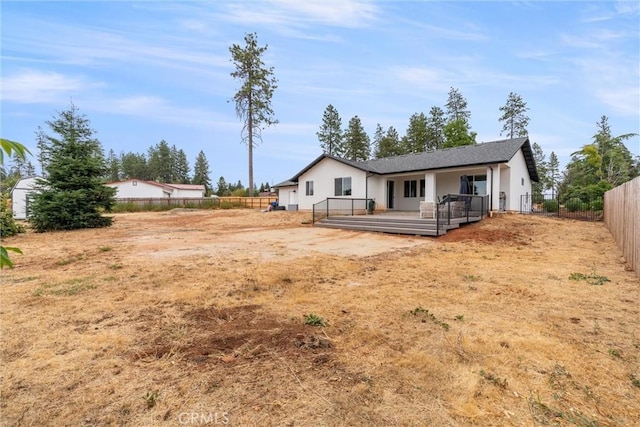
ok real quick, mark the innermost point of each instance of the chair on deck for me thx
(427, 210)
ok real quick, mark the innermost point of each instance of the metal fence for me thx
(590, 209)
(453, 206)
(342, 207)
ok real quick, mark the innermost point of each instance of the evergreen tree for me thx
(134, 165)
(389, 145)
(553, 174)
(73, 196)
(161, 162)
(378, 136)
(514, 117)
(458, 133)
(356, 141)
(415, 140)
(457, 107)
(435, 129)
(201, 173)
(180, 166)
(113, 167)
(330, 134)
(253, 99)
(540, 159)
(222, 187)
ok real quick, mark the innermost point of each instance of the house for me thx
(140, 189)
(20, 196)
(504, 170)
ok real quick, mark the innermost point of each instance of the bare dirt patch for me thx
(505, 322)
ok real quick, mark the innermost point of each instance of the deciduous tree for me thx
(458, 133)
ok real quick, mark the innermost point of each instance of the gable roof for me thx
(469, 155)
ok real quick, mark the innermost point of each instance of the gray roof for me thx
(468, 155)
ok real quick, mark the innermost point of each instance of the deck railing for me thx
(459, 206)
(340, 206)
(453, 206)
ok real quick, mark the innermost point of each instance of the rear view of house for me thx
(502, 170)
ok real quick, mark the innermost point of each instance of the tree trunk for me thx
(250, 135)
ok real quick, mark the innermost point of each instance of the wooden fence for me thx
(622, 218)
(201, 202)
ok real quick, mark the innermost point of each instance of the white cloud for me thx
(298, 14)
(30, 86)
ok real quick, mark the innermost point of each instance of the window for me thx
(410, 189)
(422, 185)
(309, 188)
(522, 180)
(343, 186)
(479, 184)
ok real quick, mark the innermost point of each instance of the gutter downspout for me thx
(491, 201)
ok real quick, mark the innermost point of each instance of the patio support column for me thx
(430, 187)
(495, 188)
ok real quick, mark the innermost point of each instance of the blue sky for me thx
(146, 71)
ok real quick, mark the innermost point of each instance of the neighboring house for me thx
(139, 189)
(502, 169)
(21, 194)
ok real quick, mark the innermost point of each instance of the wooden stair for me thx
(382, 224)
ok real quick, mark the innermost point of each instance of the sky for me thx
(144, 71)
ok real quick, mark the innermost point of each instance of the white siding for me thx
(137, 189)
(287, 196)
(519, 181)
(187, 193)
(323, 175)
(19, 195)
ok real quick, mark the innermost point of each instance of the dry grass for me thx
(202, 313)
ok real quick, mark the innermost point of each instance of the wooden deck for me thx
(394, 222)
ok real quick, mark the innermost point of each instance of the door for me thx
(390, 194)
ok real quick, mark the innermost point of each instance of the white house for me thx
(20, 196)
(504, 170)
(140, 189)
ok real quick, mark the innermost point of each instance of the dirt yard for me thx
(198, 318)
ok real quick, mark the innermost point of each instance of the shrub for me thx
(574, 204)
(597, 205)
(8, 226)
(551, 205)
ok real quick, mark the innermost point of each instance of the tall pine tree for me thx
(514, 117)
(201, 173)
(253, 99)
(356, 141)
(330, 134)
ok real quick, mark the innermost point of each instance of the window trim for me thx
(309, 188)
(410, 189)
(342, 189)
